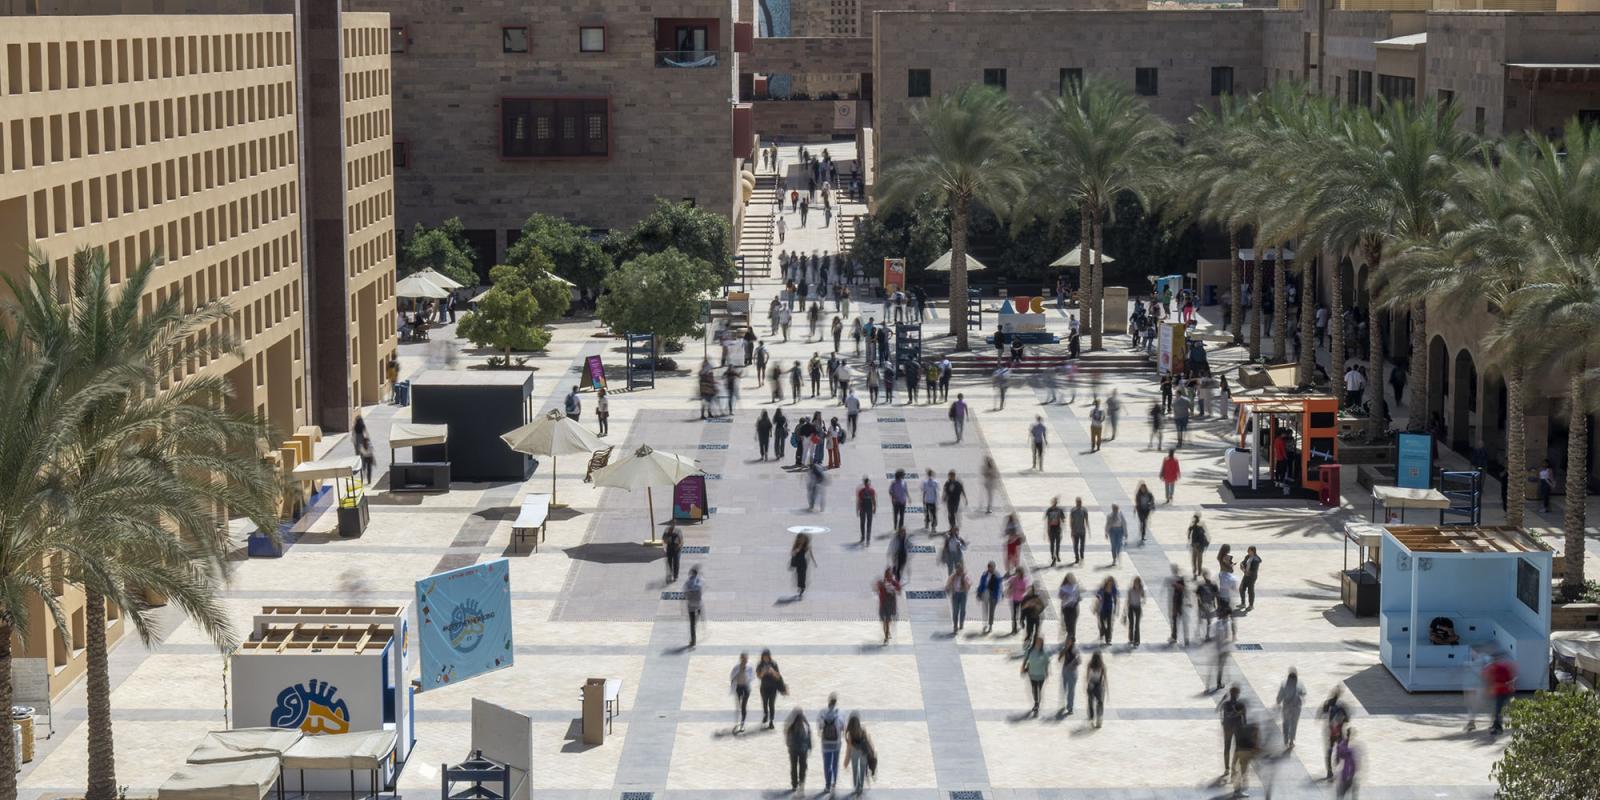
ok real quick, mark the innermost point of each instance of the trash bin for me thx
(402, 393)
(1329, 475)
(22, 717)
(1211, 294)
(594, 711)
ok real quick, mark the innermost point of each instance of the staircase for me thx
(849, 226)
(756, 233)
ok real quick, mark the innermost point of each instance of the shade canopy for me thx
(553, 434)
(411, 434)
(416, 286)
(327, 468)
(942, 263)
(1071, 259)
(551, 275)
(438, 278)
(645, 468)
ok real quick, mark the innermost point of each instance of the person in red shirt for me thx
(1500, 677)
(1280, 456)
(1170, 472)
(888, 590)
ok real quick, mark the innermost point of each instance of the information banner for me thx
(894, 274)
(464, 622)
(596, 371)
(689, 498)
(1413, 461)
(1169, 348)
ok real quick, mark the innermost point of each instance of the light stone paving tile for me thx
(1150, 678)
(1123, 754)
(533, 626)
(539, 683)
(1291, 619)
(1407, 752)
(758, 635)
(187, 681)
(706, 756)
(329, 569)
(543, 571)
(564, 762)
(147, 752)
(869, 681)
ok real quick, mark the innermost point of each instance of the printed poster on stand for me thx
(464, 622)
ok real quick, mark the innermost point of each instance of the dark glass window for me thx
(549, 127)
(1070, 77)
(514, 40)
(919, 83)
(1221, 81)
(1144, 81)
(996, 77)
(402, 155)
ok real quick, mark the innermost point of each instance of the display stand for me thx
(1361, 588)
(1464, 489)
(907, 342)
(418, 476)
(477, 406)
(641, 361)
(1311, 425)
(1389, 503)
(349, 493)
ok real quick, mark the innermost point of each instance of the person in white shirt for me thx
(852, 406)
(740, 679)
(1354, 383)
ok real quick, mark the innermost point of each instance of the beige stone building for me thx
(190, 138)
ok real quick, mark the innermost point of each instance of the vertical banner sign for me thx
(689, 498)
(596, 372)
(894, 274)
(1413, 457)
(464, 622)
(1169, 348)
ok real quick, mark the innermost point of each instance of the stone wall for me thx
(799, 55)
(789, 120)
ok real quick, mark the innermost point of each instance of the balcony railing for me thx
(687, 59)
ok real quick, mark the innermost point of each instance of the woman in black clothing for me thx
(780, 433)
(771, 683)
(763, 433)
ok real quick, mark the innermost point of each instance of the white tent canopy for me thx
(251, 779)
(412, 434)
(418, 287)
(362, 751)
(243, 744)
(327, 468)
(1071, 258)
(942, 263)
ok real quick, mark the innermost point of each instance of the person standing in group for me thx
(1054, 516)
(1291, 697)
(957, 587)
(1036, 665)
(860, 755)
(1038, 434)
(830, 729)
(739, 681)
(672, 543)
(1070, 597)
(1068, 654)
(1232, 711)
(958, 415)
(1116, 532)
(898, 495)
(1016, 592)
(989, 595)
(1177, 598)
(954, 495)
(1144, 502)
(1180, 415)
(1134, 612)
(991, 483)
(1170, 473)
(930, 502)
(771, 683)
(693, 601)
(1345, 754)
(866, 507)
(1095, 688)
(888, 589)
(1105, 607)
(797, 735)
(1078, 520)
(1097, 422)
(801, 559)
(1251, 566)
(602, 412)
(763, 433)
(1198, 542)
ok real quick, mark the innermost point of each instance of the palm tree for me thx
(1099, 143)
(165, 465)
(1216, 186)
(974, 153)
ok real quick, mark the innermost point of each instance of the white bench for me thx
(531, 520)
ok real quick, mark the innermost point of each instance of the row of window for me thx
(50, 66)
(362, 84)
(516, 39)
(552, 127)
(1146, 80)
(366, 127)
(374, 166)
(373, 252)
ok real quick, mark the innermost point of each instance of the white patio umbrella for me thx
(415, 286)
(647, 468)
(942, 263)
(552, 434)
(1071, 258)
(438, 278)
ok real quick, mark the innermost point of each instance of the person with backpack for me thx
(866, 507)
(860, 755)
(801, 559)
(1036, 665)
(1053, 517)
(1335, 716)
(797, 735)
(574, 405)
(989, 594)
(1198, 542)
(830, 729)
(1143, 503)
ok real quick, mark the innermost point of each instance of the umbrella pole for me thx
(650, 503)
(553, 502)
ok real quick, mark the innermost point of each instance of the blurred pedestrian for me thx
(1036, 665)
(1143, 503)
(797, 735)
(1291, 697)
(1096, 687)
(763, 433)
(860, 754)
(672, 543)
(742, 677)
(989, 595)
(957, 587)
(1070, 663)
(866, 507)
(888, 589)
(801, 559)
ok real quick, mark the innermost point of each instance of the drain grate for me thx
(921, 548)
(1247, 647)
(891, 419)
(672, 595)
(966, 795)
(712, 446)
(652, 795)
(895, 446)
(925, 594)
(697, 548)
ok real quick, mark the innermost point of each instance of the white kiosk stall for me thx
(418, 476)
(1491, 583)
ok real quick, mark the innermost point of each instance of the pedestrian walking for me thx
(1170, 472)
(1113, 411)
(1105, 607)
(1349, 767)
(991, 483)
(953, 554)
(956, 587)
(1500, 678)
(1232, 712)
(672, 543)
(930, 502)
(763, 433)
(1291, 697)
(898, 495)
(816, 481)
(771, 683)
(1068, 655)
(954, 495)
(852, 410)
(1251, 566)
(574, 405)
(801, 559)
(1246, 746)
(1116, 532)
(989, 594)
(1222, 643)
(1078, 521)
(1547, 484)
(743, 676)
(1335, 717)
(899, 553)
(780, 429)
(693, 599)
(1180, 415)
(1016, 592)
(1097, 421)
(856, 332)
(794, 382)
(866, 507)
(783, 229)
(958, 415)
(1038, 434)
(860, 755)
(1096, 686)
(1177, 599)
(830, 730)
(1198, 542)
(888, 589)
(1133, 612)
(1036, 666)
(797, 736)
(1013, 542)
(1069, 597)
(1143, 503)
(1054, 516)
(838, 332)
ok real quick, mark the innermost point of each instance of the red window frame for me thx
(500, 109)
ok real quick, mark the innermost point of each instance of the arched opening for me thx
(1464, 402)
(1438, 387)
(1347, 280)
(1492, 418)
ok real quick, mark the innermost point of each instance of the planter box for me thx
(1574, 616)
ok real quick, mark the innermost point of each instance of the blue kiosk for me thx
(1492, 584)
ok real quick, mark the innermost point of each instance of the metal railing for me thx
(687, 59)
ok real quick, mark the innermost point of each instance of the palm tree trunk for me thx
(1516, 446)
(1099, 283)
(1417, 408)
(1280, 310)
(1336, 335)
(1379, 417)
(1085, 270)
(1238, 285)
(1308, 344)
(1255, 306)
(8, 745)
(958, 270)
(102, 783)
(1577, 484)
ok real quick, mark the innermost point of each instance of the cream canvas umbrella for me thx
(1071, 258)
(416, 286)
(942, 263)
(647, 468)
(553, 434)
(438, 278)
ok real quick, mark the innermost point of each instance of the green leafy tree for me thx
(695, 232)
(444, 249)
(536, 271)
(164, 468)
(509, 316)
(658, 293)
(573, 251)
(1554, 749)
(919, 233)
(973, 152)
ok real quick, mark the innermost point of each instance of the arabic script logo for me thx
(311, 707)
(466, 626)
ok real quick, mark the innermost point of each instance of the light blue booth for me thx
(1493, 583)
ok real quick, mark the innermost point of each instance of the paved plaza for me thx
(946, 713)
